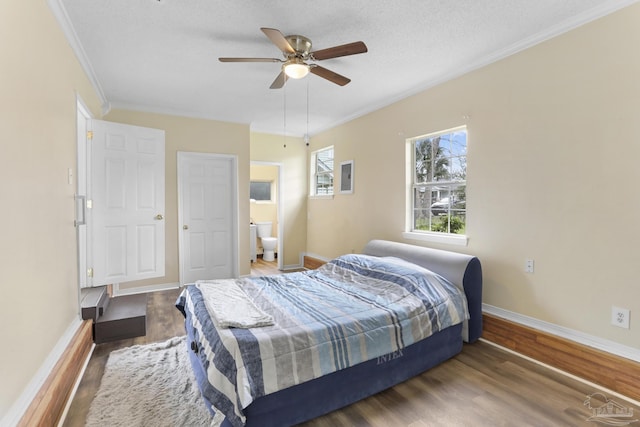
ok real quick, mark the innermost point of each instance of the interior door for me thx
(207, 212)
(81, 194)
(126, 201)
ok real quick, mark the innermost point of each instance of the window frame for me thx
(411, 232)
(313, 187)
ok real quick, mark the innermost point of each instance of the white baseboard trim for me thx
(117, 292)
(291, 267)
(284, 269)
(570, 334)
(20, 406)
(316, 256)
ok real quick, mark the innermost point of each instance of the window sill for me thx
(448, 239)
(328, 196)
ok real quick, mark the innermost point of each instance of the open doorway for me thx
(265, 209)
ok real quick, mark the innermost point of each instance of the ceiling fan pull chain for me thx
(306, 135)
(284, 94)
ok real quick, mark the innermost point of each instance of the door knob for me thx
(159, 217)
(185, 227)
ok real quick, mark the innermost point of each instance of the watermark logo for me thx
(607, 411)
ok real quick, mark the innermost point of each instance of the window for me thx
(260, 190)
(439, 182)
(322, 172)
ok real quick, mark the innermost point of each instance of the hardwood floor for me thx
(263, 268)
(482, 386)
(163, 322)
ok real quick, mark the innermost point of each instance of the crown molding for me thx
(602, 10)
(60, 13)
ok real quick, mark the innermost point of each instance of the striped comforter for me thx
(352, 309)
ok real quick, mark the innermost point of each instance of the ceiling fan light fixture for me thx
(296, 69)
(296, 49)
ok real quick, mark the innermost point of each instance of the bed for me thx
(315, 341)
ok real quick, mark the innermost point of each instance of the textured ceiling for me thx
(161, 55)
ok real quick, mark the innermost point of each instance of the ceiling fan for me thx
(297, 51)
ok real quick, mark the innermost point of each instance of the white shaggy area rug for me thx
(149, 385)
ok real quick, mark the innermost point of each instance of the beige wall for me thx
(265, 210)
(552, 175)
(196, 135)
(39, 80)
(292, 158)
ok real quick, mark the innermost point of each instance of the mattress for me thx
(355, 314)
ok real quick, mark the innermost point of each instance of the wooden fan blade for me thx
(329, 75)
(337, 51)
(278, 39)
(279, 81)
(249, 60)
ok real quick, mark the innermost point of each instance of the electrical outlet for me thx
(620, 317)
(528, 266)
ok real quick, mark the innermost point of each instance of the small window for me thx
(322, 172)
(439, 183)
(260, 190)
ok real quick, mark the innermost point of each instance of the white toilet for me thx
(268, 243)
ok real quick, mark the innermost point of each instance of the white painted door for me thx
(126, 192)
(207, 212)
(81, 193)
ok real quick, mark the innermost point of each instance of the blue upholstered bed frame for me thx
(328, 393)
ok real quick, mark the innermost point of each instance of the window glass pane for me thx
(449, 210)
(423, 161)
(324, 184)
(459, 143)
(421, 199)
(440, 159)
(422, 220)
(449, 224)
(324, 161)
(440, 197)
(260, 190)
(444, 145)
(440, 172)
(322, 177)
(459, 168)
(458, 199)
